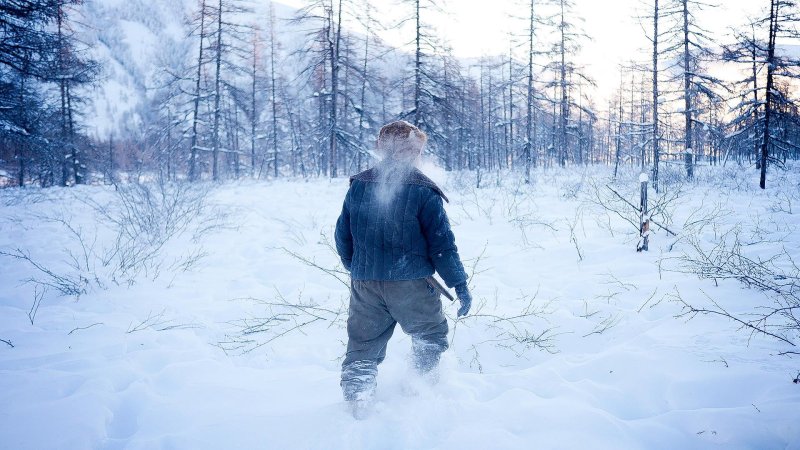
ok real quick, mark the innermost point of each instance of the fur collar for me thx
(415, 176)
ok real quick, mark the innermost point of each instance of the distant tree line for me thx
(242, 103)
(41, 67)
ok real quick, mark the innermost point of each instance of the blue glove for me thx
(465, 298)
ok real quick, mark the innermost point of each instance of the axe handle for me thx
(438, 286)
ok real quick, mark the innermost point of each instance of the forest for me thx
(247, 94)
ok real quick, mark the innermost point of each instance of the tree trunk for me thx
(620, 118)
(273, 87)
(644, 216)
(196, 110)
(333, 125)
(687, 97)
(253, 112)
(562, 119)
(22, 147)
(510, 144)
(756, 142)
(363, 99)
(66, 139)
(75, 152)
(773, 30)
(530, 107)
(111, 159)
(417, 64)
(655, 96)
(217, 95)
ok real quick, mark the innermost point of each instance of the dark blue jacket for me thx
(397, 231)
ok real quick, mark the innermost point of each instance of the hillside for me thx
(137, 42)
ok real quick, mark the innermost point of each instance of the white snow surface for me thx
(162, 362)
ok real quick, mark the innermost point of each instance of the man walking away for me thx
(392, 234)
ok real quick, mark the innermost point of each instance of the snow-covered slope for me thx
(231, 338)
(132, 40)
(136, 42)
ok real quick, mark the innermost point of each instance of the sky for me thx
(476, 28)
(615, 33)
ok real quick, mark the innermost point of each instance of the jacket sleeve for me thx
(442, 248)
(343, 235)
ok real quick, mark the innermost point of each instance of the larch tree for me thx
(533, 22)
(656, 136)
(229, 52)
(324, 58)
(432, 54)
(771, 101)
(201, 31)
(274, 79)
(781, 23)
(570, 75)
(689, 45)
(747, 51)
(72, 68)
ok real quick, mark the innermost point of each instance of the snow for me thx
(159, 363)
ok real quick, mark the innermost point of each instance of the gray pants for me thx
(375, 308)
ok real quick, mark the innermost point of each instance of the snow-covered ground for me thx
(228, 331)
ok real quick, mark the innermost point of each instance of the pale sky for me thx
(481, 27)
(615, 34)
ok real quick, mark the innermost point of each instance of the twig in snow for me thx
(606, 324)
(476, 359)
(7, 342)
(475, 262)
(280, 318)
(720, 360)
(572, 237)
(615, 280)
(150, 322)
(648, 301)
(515, 330)
(85, 328)
(756, 326)
(586, 314)
(62, 283)
(608, 297)
(335, 273)
(37, 300)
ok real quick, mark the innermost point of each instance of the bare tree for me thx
(655, 39)
(198, 94)
(530, 120)
(72, 68)
(568, 73)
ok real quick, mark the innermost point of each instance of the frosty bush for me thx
(145, 217)
(622, 201)
(277, 318)
(129, 240)
(19, 197)
(734, 255)
(671, 174)
(518, 332)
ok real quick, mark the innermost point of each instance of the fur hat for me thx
(400, 141)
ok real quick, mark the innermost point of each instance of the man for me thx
(392, 234)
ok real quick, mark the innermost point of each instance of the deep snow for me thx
(164, 362)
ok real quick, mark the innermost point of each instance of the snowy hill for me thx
(136, 41)
(132, 40)
(230, 334)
